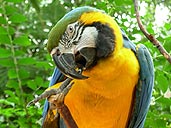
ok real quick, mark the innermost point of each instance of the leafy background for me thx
(25, 65)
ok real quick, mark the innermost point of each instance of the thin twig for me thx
(21, 94)
(14, 56)
(149, 36)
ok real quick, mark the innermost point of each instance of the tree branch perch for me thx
(149, 36)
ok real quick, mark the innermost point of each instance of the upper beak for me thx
(66, 64)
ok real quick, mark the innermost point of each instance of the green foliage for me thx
(25, 65)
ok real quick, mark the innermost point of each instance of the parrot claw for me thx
(59, 93)
(58, 99)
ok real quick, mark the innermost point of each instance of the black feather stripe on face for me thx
(72, 35)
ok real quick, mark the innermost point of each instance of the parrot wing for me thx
(50, 119)
(143, 91)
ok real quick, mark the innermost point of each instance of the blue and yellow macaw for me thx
(115, 87)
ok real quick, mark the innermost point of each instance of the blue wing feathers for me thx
(57, 76)
(127, 42)
(145, 85)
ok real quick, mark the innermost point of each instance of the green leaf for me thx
(167, 67)
(164, 101)
(127, 2)
(4, 39)
(162, 82)
(20, 53)
(32, 84)
(12, 84)
(39, 80)
(2, 20)
(12, 73)
(22, 122)
(14, 1)
(161, 123)
(1, 10)
(167, 44)
(167, 116)
(43, 64)
(3, 30)
(5, 53)
(23, 73)
(17, 18)
(118, 2)
(14, 99)
(10, 9)
(22, 41)
(7, 62)
(150, 28)
(10, 93)
(11, 30)
(8, 112)
(26, 61)
(167, 26)
(45, 84)
(4, 101)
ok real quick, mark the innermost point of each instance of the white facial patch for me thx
(88, 38)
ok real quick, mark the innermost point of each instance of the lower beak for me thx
(66, 64)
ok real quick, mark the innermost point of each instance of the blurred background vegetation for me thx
(26, 67)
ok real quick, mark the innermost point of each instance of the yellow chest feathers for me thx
(105, 99)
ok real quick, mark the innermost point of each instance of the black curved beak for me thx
(65, 62)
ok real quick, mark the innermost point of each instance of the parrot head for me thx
(81, 38)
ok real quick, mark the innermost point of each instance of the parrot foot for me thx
(63, 89)
(58, 102)
(56, 98)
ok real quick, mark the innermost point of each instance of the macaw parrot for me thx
(115, 87)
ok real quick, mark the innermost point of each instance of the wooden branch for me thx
(149, 36)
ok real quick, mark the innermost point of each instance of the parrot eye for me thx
(70, 29)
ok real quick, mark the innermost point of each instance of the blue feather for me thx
(56, 77)
(145, 85)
